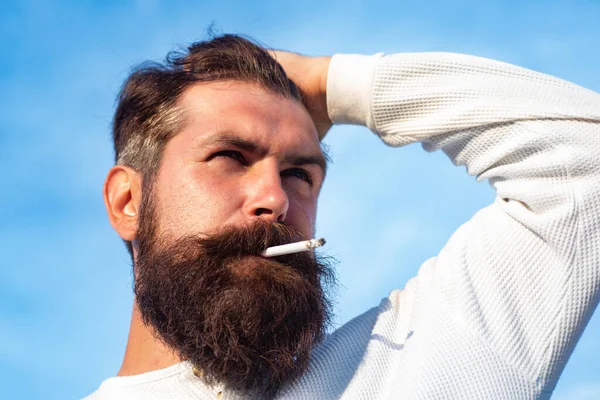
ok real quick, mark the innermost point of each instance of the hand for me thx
(310, 75)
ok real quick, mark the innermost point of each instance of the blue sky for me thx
(65, 284)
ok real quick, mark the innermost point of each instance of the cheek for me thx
(193, 202)
(302, 214)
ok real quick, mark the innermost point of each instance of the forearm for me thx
(411, 97)
(510, 125)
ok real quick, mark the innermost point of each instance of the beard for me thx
(245, 321)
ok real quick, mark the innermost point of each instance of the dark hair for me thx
(148, 114)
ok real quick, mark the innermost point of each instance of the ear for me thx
(122, 198)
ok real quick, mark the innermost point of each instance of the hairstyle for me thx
(148, 114)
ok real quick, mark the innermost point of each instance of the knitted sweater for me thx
(497, 313)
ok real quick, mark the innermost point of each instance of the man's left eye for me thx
(298, 173)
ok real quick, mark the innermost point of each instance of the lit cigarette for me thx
(293, 247)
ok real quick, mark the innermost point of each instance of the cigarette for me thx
(293, 247)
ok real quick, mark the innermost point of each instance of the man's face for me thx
(243, 175)
(245, 153)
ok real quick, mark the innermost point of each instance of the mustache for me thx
(230, 242)
(250, 239)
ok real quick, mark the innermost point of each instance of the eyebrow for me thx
(320, 159)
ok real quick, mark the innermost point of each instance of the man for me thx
(218, 159)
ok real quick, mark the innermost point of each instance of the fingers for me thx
(310, 75)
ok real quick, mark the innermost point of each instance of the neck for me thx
(144, 352)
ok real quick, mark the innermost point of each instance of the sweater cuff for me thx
(350, 88)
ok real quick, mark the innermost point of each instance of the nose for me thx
(267, 198)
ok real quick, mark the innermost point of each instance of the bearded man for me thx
(218, 157)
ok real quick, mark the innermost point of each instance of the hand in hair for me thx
(310, 75)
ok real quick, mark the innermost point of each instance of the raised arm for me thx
(516, 284)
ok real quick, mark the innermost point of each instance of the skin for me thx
(244, 153)
(310, 75)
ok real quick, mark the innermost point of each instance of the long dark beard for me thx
(245, 321)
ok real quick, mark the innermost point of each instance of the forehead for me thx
(249, 111)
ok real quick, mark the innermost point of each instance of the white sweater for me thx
(498, 312)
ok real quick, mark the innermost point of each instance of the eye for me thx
(298, 173)
(236, 155)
